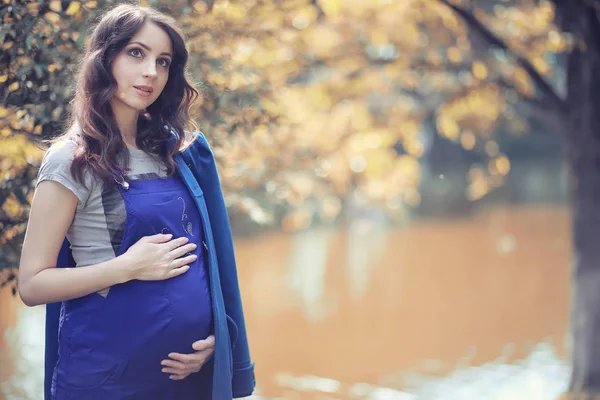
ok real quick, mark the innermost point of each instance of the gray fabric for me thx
(99, 222)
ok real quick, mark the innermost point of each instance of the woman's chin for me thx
(139, 106)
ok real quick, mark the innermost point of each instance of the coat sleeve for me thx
(202, 163)
(65, 259)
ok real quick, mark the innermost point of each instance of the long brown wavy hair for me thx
(101, 148)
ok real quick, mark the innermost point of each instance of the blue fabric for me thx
(231, 367)
(65, 259)
(111, 348)
(201, 162)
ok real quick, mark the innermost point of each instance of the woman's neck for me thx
(126, 120)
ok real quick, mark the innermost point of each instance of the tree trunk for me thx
(582, 126)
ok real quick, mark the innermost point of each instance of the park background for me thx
(395, 176)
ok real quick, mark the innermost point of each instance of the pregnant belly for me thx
(139, 324)
(189, 302)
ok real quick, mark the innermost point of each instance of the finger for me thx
(180, 262)
(186, 372)
(177, 271)
(180, 251)
(185, 358)
(204, 344)
(175, 243)
(176, 365)
(159, 238)
(174, 371)
(178, 377)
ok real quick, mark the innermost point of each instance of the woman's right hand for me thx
(159, 257)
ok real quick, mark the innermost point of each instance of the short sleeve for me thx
(56, 166)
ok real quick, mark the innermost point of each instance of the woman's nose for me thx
(150, 70)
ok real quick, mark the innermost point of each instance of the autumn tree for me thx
(574, 107)
(580, 108)
(37, 64)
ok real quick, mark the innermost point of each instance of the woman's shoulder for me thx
(60, 151)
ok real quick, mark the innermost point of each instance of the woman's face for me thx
(141, 69)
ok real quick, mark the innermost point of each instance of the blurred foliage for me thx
(306, 103)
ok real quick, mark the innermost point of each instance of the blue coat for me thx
(232, 366)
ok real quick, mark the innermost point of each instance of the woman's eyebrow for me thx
(149, 49)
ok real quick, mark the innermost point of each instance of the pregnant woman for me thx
(145, 280)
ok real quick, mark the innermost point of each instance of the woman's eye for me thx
(164, 62)
(135, 52)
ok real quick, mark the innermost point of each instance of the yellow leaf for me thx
(454, 54)
(53, 67)
(479, 70)
(448, 127)
(231, 10)
(91, 4)
(11, 206)
(5, 132)
(37, 130)
(73, 8)
(13, 86)
(331, 8)
(55, 6)
(33, 8)
(467, 140)
(556, 43)
(541, 65)
(3, 78)
(523, 81)
(52, 17)
(16, 124)
(378, 37)
(200, 6)
(502, 165)
(3, 112)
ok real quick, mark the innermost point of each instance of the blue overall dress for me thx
(111, 348)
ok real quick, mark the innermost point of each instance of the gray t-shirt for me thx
(99, 222)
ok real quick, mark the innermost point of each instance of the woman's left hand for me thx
(182, 365)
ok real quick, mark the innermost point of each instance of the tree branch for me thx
(541, 104)
(555, 100)
(320, 12)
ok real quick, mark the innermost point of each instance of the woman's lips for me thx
(141, 92)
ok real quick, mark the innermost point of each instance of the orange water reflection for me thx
(364, 304)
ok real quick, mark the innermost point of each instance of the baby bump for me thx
(189, 303)
(138, 325)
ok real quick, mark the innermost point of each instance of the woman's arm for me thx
(39, 281)
(151, 258)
